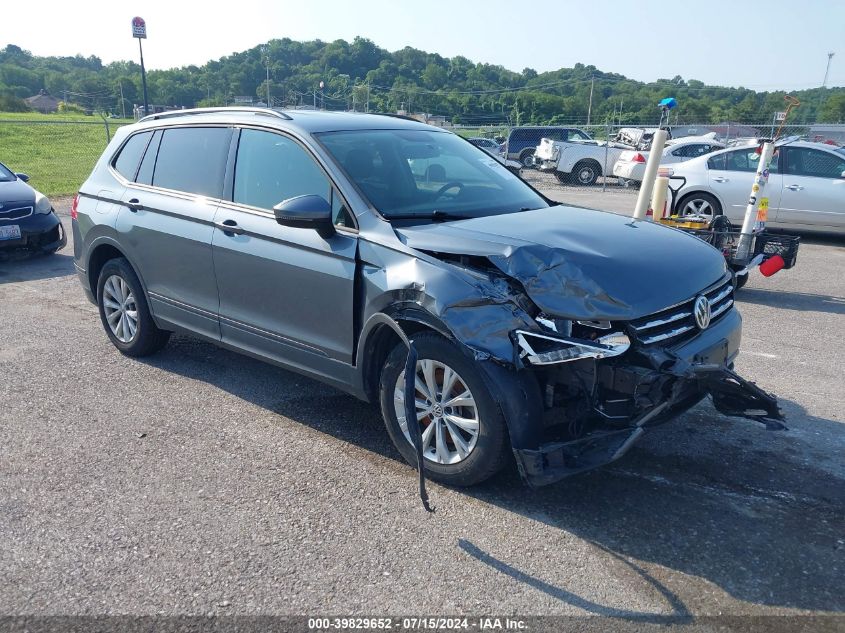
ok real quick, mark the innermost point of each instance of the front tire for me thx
(124, 311)
(464, 434)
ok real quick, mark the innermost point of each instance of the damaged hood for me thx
(581, 263)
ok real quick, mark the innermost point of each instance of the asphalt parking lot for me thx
(199, 481)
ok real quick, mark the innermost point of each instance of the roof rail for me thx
(176, 113)
(397, 116)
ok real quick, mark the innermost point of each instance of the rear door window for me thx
(740, 160)
(193, 160)
(126, 163)
(577, 135)
(691, 151)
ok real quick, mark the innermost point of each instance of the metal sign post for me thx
(779, 117)
(139, 30)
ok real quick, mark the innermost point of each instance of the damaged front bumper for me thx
(681, 376)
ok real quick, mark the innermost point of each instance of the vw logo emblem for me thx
(701, 311)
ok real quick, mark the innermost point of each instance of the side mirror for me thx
(842, 175)
(306, 212)
(23, 177)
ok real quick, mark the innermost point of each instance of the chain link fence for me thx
(57, 155)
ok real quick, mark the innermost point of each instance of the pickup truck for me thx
(580, 162)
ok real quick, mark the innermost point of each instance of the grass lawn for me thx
(56, 151)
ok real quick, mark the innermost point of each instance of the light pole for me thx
(267, 63)
(824, 83)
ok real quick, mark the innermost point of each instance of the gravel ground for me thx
(199, 481)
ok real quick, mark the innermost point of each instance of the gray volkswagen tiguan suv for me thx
(318, 241)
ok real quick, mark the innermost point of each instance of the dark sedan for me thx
(27, 219)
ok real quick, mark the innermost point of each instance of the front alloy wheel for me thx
(446, 412)
(464, 436)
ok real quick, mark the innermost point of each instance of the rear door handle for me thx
(230, 226)
(134, 205)
(720, 179)
(794, 187)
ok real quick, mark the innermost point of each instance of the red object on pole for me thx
(772, 265)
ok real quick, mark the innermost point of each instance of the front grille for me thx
(676, 324)
(15, 214)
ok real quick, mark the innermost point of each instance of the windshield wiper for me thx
(437, 215)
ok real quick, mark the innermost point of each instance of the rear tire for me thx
(699, 203)
(586, 173)
(124, 311)
(488, 448)
(526, 157)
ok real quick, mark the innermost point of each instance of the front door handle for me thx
(230, 226)
(134, 205)
(794, 187)
(720, 179)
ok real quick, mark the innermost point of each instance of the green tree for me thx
(833, 110)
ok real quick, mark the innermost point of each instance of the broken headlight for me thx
(543, 349)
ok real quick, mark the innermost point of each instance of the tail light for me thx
(74, 213)
(637, 158)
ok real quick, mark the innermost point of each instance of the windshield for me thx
(841, 150)
(6, 175)
(417, 173)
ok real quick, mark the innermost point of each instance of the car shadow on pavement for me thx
(802, 301)
(752, 511)
(28, 267)
(679, 612)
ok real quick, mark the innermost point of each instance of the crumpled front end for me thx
(597, 407)
(588, 338)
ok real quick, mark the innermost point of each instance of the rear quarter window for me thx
(126, 163)
(193, 160)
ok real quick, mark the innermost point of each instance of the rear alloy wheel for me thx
(464, 438)
(124, 311)
(702, 204)
(586, 173)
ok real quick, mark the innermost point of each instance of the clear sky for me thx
(716, 41)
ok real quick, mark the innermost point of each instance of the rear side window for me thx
(126, 163)
(145, 173)
(691, 151)
(193, 160)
